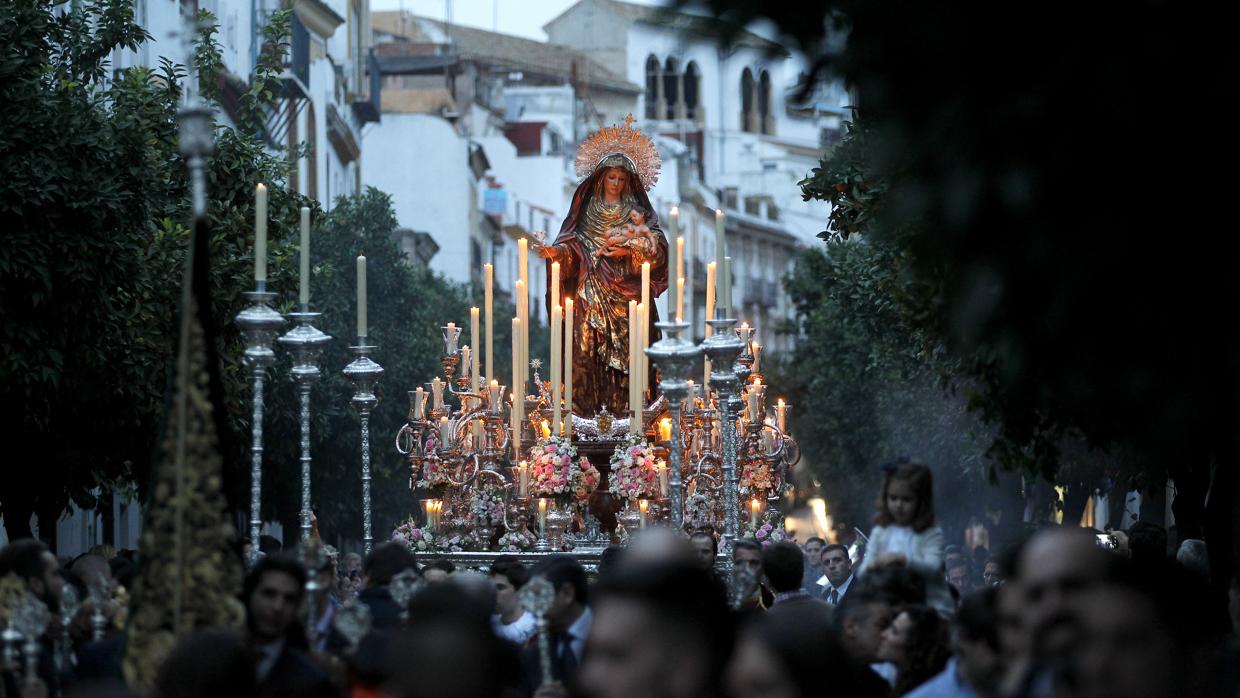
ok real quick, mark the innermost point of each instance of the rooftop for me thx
(700, 25)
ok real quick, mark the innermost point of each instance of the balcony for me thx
(366, 104)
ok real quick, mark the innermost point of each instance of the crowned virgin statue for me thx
(610, 230)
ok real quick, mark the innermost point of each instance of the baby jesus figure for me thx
(634, 234)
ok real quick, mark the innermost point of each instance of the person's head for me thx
(916, 641)
(351, 562)
(34, 564)
(1056, 567)
(617, 177)
(680, 613)
(385, 561)
(508, 576)
(747, 556)
(836, 565)
(907, 497)
(992, 573)
(438, 571)
(813, 552)
(860, 620)
(1194, 557)
(449, 649)
(1147, 542)
(122, 571)
(958, 576)
(784, 566)
(705, 548)
(207, 664)
(977, 640)
(658, 545)
(273, 592)
(787, 655)
(475, 584)
(568, 578)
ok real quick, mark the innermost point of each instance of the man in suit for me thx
(784, 566)
(568, 620)
(837, 578)
(813, 565)
(273, 594)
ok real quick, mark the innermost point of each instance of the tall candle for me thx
(780, 415)
(757, 358)
(661, 469)
(639, 356)
(473, 342)
(680, 299)
(437, 393)
(568, 368)
(523, 267)
(644, 367)
(466, 355)
(674, 252)
(494, 390)
(522, 363)
(555, 284)
(725, 286)
(706, 382)
(720, 238)
(754, 508)
(642, 506)
(753, 403)
(632, 360)
(260, 232)
(361, 296)
(517, 399)
(444, 432)
(303, 296)
(680, 257)
(488, 308)
(556, 367)
(665, 429)
(709, 294)
(419, 403)
(542, 517)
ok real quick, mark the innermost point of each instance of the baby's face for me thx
(636, 217)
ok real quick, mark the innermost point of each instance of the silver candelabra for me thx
(674, 357)
(307, 343)
(722, 347)
(260, 324)
(364, 373)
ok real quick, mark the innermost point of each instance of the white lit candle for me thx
(680, 298)
(488, 307)
(642, 506)
(720, 238)
(523, 479)
(523, 314)
(494, 390)
(710, 294)
(662, 470)
(445, 430)
(555, 284)
(640, 358)
(542, 517)
(476, 383)
(518, 399)
(724, 297)
(754, 508)
(632, 362)
(781, 415)
(419, 403)
(644, 367)
(665, 429)
(303, 295)
(260, 233)
(557, 349)
(757, 358)
(436, 393)
(361, 296)
(680, 257)
(568, 368)
(523, 267)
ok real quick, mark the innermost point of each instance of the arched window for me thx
(765, 123)
(671, 87)
(747, 115)
(653, 88)
(693, 79)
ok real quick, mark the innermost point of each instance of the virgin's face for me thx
(613, 182)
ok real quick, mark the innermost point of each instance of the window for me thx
(693, 79)
(747, 116)
(671, 87)
(653, 73)
(765, 122)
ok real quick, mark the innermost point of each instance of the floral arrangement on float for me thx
(557, 473)
(434, 473)
(766, 529)
(420, 540)
(634, 473)
(756, 477)
(516, 541)
(486, 506)
(699, 512)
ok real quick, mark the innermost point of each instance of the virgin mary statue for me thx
(610, 230)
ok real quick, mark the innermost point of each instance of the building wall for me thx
(425, 167)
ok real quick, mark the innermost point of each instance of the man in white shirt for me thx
(838, 577)
(511, 621)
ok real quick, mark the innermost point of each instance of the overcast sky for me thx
(519, 17)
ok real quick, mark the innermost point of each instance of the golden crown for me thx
(620, 140)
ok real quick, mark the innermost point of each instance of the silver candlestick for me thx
(674, 357)
(307, 343)
(723, 346)
(364, 373)
(260, 324)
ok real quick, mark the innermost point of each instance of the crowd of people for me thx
(1055, 614)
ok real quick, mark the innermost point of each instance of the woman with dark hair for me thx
(916, 642)
(619, 164)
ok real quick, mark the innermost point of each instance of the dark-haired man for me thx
(659, 630)
(511, 621)
(705, 548)
(837, 575)
(859, 622)
(569, 620)
(384, 562)
(273, 594)
(747, 565)
(31, 562)
(813, 565)
(784, 567)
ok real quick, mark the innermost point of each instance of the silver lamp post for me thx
(364, 373)
(723, 346)
(307, 343)
(260, 324)
(674, 358)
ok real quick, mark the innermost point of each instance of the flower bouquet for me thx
(420, 540)
(516, 541)
(756, 477)
(633, 474)
(699, 512)
(434, 473)
(558, 473)
(486, 506)
(768, 530)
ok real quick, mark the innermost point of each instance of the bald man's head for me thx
(1056, 569)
